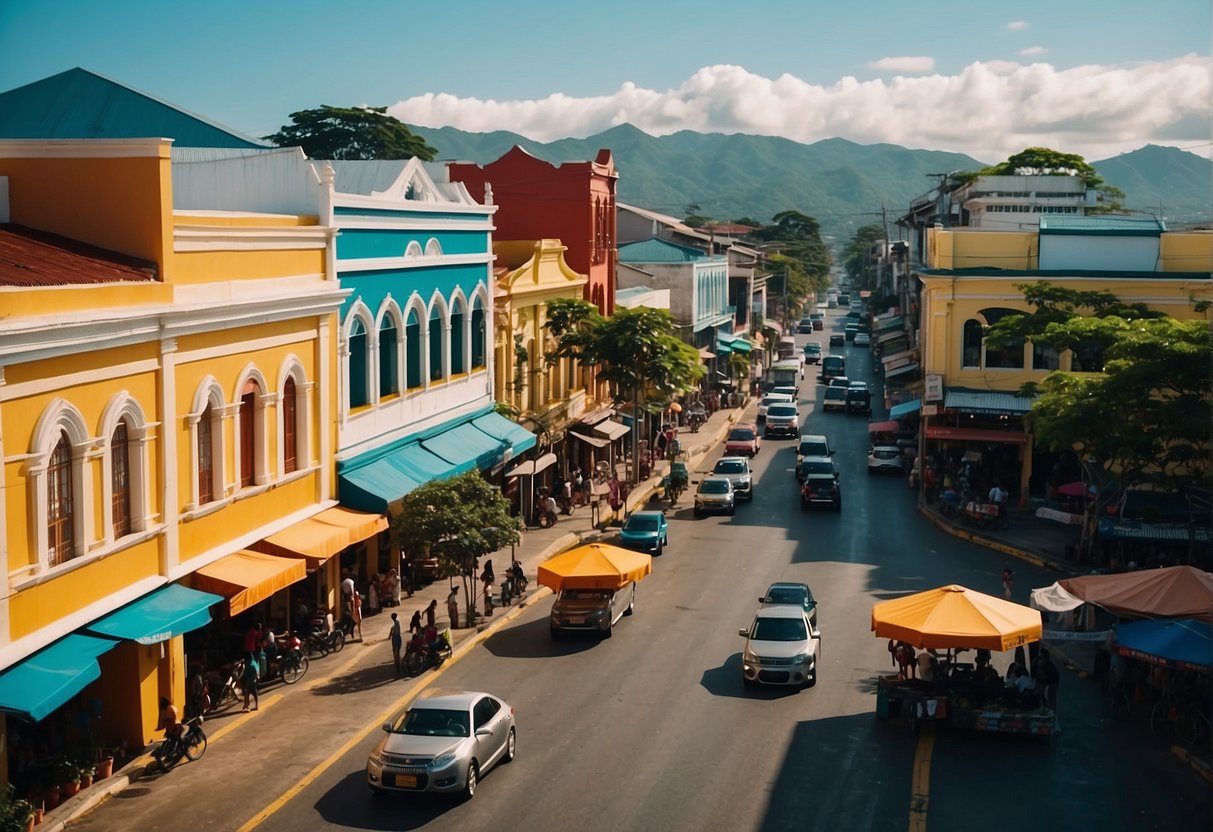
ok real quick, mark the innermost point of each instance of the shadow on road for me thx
(380, 811)
(365, 678)
(726, 681)
(532, 641)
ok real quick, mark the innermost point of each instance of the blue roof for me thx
(1102, 225)
(654, 250)
(80, 104)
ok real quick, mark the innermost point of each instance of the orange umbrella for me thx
(953, 616)
(594, 566)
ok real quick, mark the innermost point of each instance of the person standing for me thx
(347, 593)
(415, 623)
(358, 614)
(397, 642)
(452, 607)
(1007, 577)
(372, 594)
(1047, 678)
(431, 614)
(248, 681)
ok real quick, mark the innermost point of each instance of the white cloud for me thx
(988, 110)
(1033, 51)
(1017, 25)
(908, 63)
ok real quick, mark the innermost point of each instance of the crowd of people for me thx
(1027, 683)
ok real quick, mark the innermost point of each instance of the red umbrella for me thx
(1076, 489)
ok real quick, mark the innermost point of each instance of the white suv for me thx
(782, 420)
(782, 647)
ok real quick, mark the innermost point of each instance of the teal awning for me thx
(740, 345)
(165, 613)
(37, 685)
(466, 447)
(723, 348)
(905, 408)
(519, 439)
(373, 486)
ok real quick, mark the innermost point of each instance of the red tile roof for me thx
(36, 258)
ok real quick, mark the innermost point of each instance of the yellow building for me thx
(969, 397)
(166, 407)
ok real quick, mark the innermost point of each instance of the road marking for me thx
(920, 785)
(425, 681)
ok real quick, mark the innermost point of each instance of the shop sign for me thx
(934, 387)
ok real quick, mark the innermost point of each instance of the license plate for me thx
(576, 619)
(402, 781)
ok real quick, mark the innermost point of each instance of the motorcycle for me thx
(418, 660)
(318, 641)
(695, 420)
(291, 664)
(542, 518)
(512, 587)
(191, 745)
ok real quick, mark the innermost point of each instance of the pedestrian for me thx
(372, 594)
(452, 607)
(357, 617)
(347, 593)
(248, 680)
(1047, 677)
(431, 614)
(415, 623)
(487, 576)
(661, 442)
(1007, 577)
(397, 642)
(488, 599)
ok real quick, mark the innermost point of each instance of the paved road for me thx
(653, 728)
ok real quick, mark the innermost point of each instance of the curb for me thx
(986, 542)
(1198, 765)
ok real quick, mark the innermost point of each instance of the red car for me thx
(743, 440)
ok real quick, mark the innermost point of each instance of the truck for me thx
(785, 373)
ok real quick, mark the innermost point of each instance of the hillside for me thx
(841, 183)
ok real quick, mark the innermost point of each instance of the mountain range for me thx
(842, 184)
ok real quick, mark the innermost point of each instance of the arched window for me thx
(358, 366)
(412, 351)
(389, 366)
(435, 338)
(970, 355)
(250, 436)
(120, 481)
(479, 336)
(207, 470)
(1010, 356)
(290, 435)
(457, 336)
(61, 510)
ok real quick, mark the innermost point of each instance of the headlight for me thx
(376, 758)
(745, 481)
(749, 658)
(804, 658)
(442, 760)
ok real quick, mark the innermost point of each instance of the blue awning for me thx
(372, 487)
(723, 348)
(494, 424)
(157, 617)
(38, 685)
(1179, 642)
(905, 408)
(466, 447)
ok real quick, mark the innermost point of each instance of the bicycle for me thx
(1192, 724)
(231, 690)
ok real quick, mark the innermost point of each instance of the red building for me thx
(573, 202)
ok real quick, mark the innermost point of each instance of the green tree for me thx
(856, 256)
(1044, 161)
(351, 133)
(637, 352)
(1145, 417)
(458, 521)
(800, 255)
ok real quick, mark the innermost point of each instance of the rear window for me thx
(814, 466)
(781, 410)
(886, 453)
(836, 393)
(741, 435)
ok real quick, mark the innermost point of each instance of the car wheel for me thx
(871, 471)
(812, 680)
(804, 505)
(631, 604)
(657, 551)
(838, 506)
(698, 513)
(469, 785)
(511, 746)
(748, 682)
(608, 632)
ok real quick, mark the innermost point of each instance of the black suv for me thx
(859, 400)
(820, 490)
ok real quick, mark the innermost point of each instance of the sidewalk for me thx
(534, 547)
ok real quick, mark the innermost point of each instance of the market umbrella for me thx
(953, 616)
(594, 566)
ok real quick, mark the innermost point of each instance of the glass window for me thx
(1087, 357)
(120, 481)
(359, 394)
(435, 339)
(290, 449)
(457, 334)
(388, 357)
(60, 505)
(206, 460)
(412, 351)
(478, 334)
(248, 434)
(1045, 357)
(971, 350)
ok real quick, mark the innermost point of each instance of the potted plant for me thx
(86, 768)
(15, 813)
(67, 775)
(105, 763)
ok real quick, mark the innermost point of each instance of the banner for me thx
(1074, 635)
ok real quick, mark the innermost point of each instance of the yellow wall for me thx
(224, 266)
(963, 249)
(30, 301)
(1187, 251)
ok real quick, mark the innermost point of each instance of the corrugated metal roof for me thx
(34, 258)
(1101, 224)
(986, 401)
(654, 250)
(80, 104)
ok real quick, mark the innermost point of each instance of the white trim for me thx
(57, 417)
(226, 238)
(39, 386)
(385, 201)
(254, 345)
(84, 148)
(379, 223)
(124, 407)
(366, 264)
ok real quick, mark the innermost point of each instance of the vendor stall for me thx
(938, 686)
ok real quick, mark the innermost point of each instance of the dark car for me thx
(812, 352)
(805, 325)
(859, 400)
(851, 329)
(837, 339)
(786, 592)
(815, 465)
(648, 531)
(820, 490)
(835, 399)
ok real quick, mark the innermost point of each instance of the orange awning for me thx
(953, 616)
(244, 578)
(320, 537)
(594, 566)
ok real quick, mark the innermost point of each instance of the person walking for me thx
(372, 594)
(452, 607)
(397, 642)
(415, 623)
(431, 614)
(248, 681)
(358, 614)
(1007, 577)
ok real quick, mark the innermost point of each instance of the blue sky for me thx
(1096, 78)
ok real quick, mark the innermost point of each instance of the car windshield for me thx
(781, 410)
(813, 449)
(730, 466)
(433, 722)
(640, 523)
(779, 629)
(788, 595)
(714, 487)
(741, 435)
(814, 466)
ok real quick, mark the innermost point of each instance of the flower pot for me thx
(69, 789)
(86, 780)
(39, 813)
(52, 797)
(105, 767)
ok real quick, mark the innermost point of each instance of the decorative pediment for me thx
(413, 185)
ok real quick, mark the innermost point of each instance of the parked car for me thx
(844, 299)
(820, 490)
(850, 331)
(805, 325)
(853, 315)
(743, 439)
(737, 469)
(838, 339)
(835, 399)
(590, 610)
(813, 444)
(785, 592)
(858, 400)
(768, 400)
(862, 339)
(646, 531)
(812, 352)
(782, 646)
(444, 742)
(819, 323)
(883, 458)
(833, 366)
(715, 493)
(815, 465)
(782, 420)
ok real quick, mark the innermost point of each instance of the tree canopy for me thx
(458, 521)
(1044, 161)
(855, 256)
(801, 255)
(351, 133)
(1145, 416)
